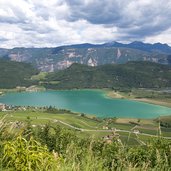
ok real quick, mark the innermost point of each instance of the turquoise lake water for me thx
(86, 101)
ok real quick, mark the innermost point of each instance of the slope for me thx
(131, 74)
(14, 74)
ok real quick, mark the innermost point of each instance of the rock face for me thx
(92, 62)
(51, 59)
(118, 54)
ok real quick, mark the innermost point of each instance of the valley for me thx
(72, 98)
(85, 85)
(129, 130)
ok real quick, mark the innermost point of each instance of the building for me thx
(2, 106)
(136, 131)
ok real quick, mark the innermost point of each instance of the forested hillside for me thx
(132, 74)
(14, 74)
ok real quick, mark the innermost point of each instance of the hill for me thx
(57, 58)
(132, 74)
(14, 74)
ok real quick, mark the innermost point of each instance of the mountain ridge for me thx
(132, 45)
(57, 58)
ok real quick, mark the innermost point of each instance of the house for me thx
(136, 131)
(105, 127)
(2, 106)
(110, 138)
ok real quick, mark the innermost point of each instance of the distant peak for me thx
(161, 44)
(113, 44)
(137, 42)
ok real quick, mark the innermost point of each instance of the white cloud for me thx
(57, 22)
(164, 37)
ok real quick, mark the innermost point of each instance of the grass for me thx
(148, 131)
(166, 132)
(40, 117)
(40, 76)
(136, 120)
(122, 126)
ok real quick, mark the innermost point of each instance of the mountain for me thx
(132, 74)
(156, 47)
(51, 59)
(14, 74)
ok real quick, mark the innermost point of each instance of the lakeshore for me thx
(156, 100)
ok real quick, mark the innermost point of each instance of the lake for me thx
(86, 101)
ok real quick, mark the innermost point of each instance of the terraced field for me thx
(89, 126)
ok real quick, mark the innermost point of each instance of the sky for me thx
(51, 23)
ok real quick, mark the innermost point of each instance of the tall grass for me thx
(58, 149)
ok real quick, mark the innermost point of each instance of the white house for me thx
(2, 106)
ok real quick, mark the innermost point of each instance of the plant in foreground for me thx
(23, 155)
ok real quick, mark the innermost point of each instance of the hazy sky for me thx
(47, 23)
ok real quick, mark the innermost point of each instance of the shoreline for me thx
(117, 95)
(155, 102)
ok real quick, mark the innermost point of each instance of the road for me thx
(102, 130)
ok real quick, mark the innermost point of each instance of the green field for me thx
(89, 126)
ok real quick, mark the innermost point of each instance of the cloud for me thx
(136, 19)
(96, 12)
(162, 37)
(3, 39)
(57, 22)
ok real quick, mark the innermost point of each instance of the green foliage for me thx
(28, 129)
(14, 74)
(123, 76)
(54, 148)
(84, 154)
(55, 110)
(23, 155)
(40, 76)
(78, 158)
(56, 138)
(165, 121)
